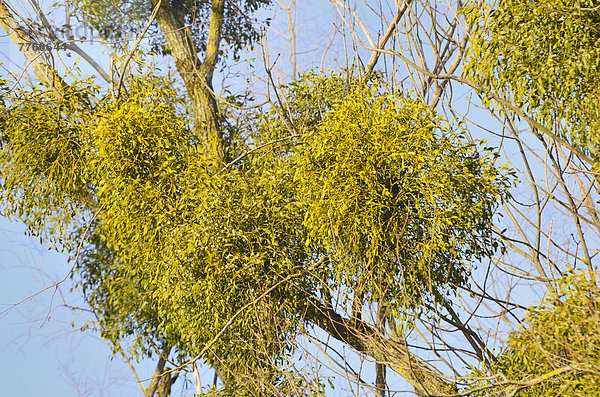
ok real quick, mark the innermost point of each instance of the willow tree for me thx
(192, 243)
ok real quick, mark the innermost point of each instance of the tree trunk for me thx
(196, 75)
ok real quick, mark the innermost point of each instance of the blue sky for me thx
(43, 353)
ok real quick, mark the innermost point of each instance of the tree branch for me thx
(386, 36)
(363, 338)
(70, 46)
(38, 59)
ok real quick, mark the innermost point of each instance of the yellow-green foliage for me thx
(556, 352)
(176, 245)
(545, 55)
(403, 203)
(42, 161)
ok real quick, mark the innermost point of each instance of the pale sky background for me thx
(42, 353)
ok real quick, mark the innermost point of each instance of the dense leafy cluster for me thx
(43, 164)
(354, 187)
(557, 349)
(545, 56)
(402, 203)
